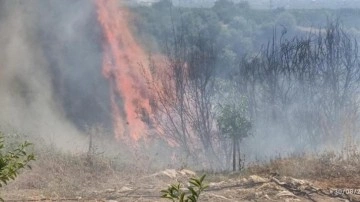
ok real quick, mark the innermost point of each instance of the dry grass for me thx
(329, 169)
(59, 174)
(65, 174)
(107, 165)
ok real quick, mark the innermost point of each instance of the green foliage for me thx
(11, 162)
(175, 192)
(232, 122)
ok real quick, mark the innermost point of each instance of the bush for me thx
(11, 162)
(175, 192)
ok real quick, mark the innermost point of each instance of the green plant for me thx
(233, 123)
(176, 193)
(12, 161)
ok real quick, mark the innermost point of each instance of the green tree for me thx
(233, 123)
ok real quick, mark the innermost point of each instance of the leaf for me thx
(192, 198)
(202, 178)
(182, 196)
(193, 191)
(195, 183)
(205, 186)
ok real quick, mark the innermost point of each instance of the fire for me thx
(123, 64)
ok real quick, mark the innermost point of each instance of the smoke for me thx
(51, 83)
(50, 69)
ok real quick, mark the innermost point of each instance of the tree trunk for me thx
(234, 153)
(239, 156)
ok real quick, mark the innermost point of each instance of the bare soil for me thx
(234, 187)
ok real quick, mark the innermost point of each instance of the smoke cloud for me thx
(50, 69)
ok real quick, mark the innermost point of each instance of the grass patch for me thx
(328, 168)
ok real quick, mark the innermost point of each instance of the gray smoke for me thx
(50, 69)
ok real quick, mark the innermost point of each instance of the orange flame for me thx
(122, 62)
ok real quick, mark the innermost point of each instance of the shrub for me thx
(11, 162)
(175, 192)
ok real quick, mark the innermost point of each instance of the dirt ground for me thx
(221, 188)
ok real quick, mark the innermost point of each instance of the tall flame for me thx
(122, 66)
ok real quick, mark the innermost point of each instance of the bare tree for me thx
(306, 85)
(184, 88)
